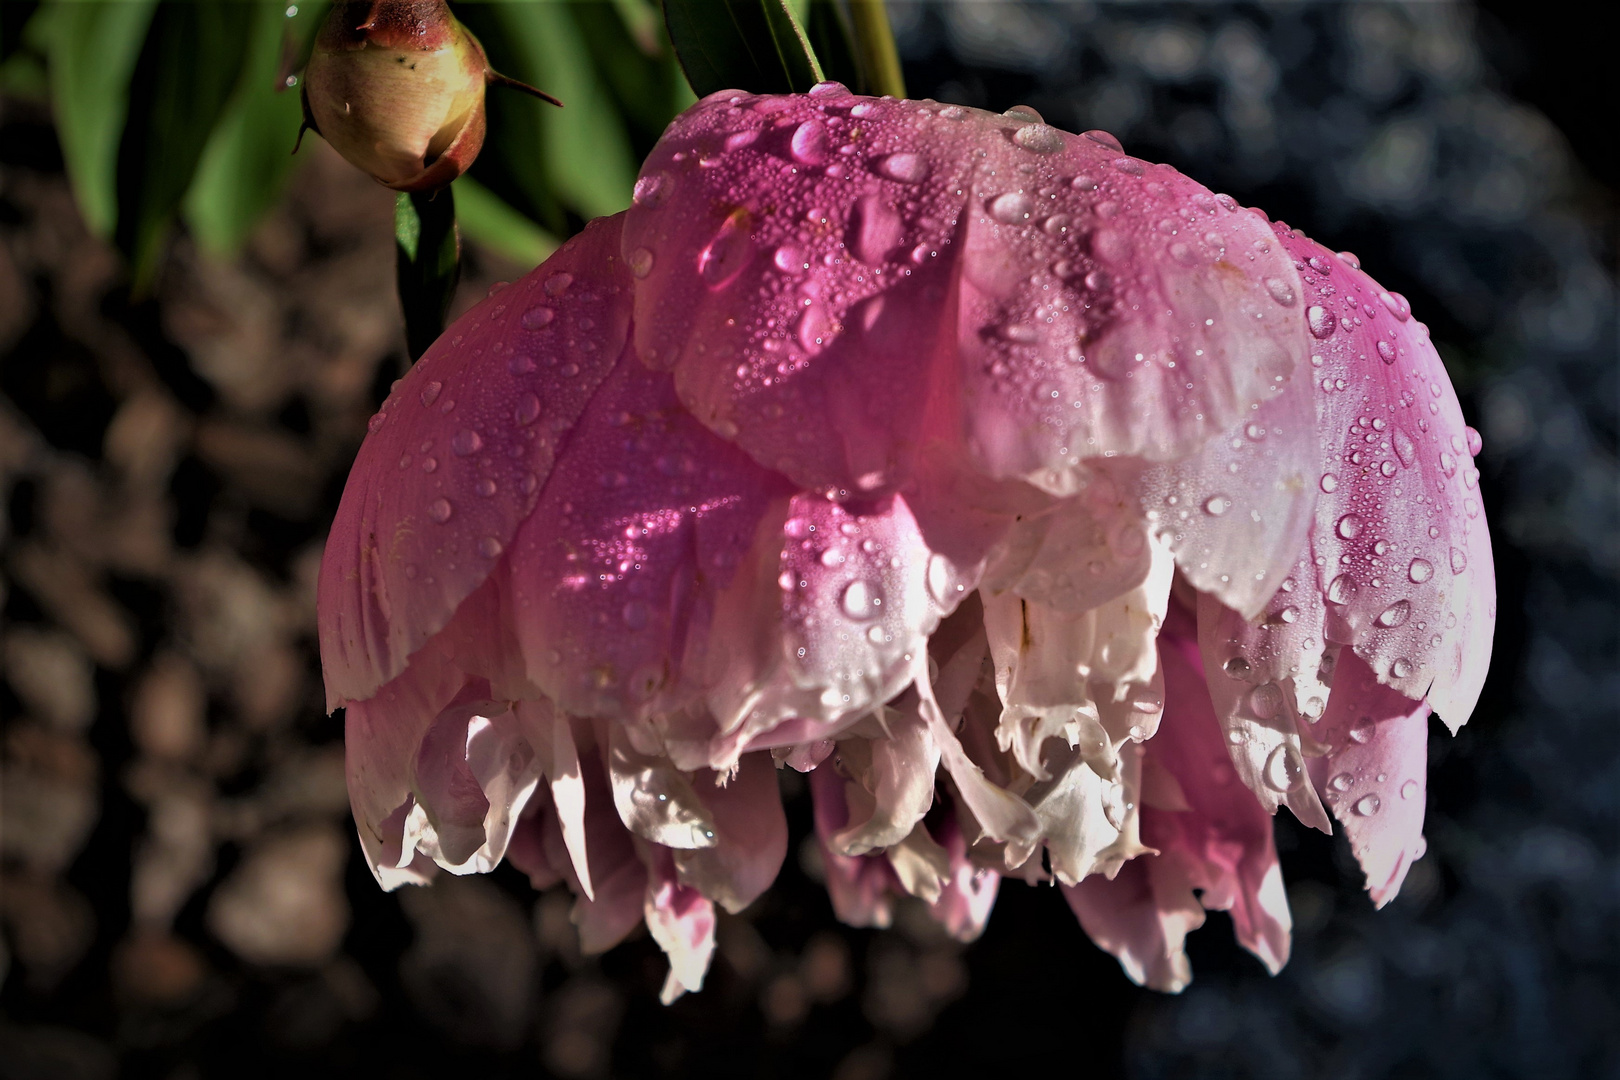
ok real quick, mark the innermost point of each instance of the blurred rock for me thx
(177, 853)
(53, 677)
(471, 971)
(168, 716)
(155, 968)
(582, 1018)
(65, 588)
(49, 799)
(284, 903)
(50, 926)
(145, 438)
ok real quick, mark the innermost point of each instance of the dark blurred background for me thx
(181, 893)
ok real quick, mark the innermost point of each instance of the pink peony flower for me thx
(1061, 518)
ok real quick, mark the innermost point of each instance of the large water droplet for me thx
(430, 392)
(1396, 614)
(1459, 560)
(809, 143)
(1237, 667)
(641, 262)
(724, 257)
(489, 547)
(860, 600)
(1349, 526)
(1409, 789)
(1320, 320)
(466, 441)
(1405, 449)
(440, 510)
(1342, 783)
(908, 168)
(1265, 700)
(1104, 138)
(789, 259)
(1342, 589)
(651, 190)
(1368, 805)
(1039, 138)
(1284, 769)
(1402, 668)
(815, 328)
(1420, 571)
(1280, 290)
(1387, 352)
(557, 284)
(1216, 505)
(527, 409)
(1330, 483)
(1475, 443)
(1397, 305)
(1012, 208)
(941, 579)
(1448, 464)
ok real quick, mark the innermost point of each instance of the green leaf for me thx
(90, 50)
(856, 45)
(753, 45)
(249, 157)
(489, 220)
(427, 264)
(584, 157)
(190, 63)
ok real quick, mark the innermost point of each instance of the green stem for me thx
(874, 45)
(428, 264)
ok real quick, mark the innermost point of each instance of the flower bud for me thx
(397, 88)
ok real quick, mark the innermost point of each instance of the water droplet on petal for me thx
(1397, 305)
(1349, 526)
(557, 284)
(440, 510)
(489, 547)
(429, 464)
(1284, 769)
(527, 409)
(1409, 789)
(1103, 137)
(1402, 668)
(1475, 443)
(724, 257)
(430, 392)
(1039, 138)
(1342, 783)
(1459, 560)
(1216, 505)
(651, 190)
(1237, 667)
(908, 168)
(1330, 483)
(789, 259)
(641, 262)
(1265, 700)
(1420, 571)
(809, 143)
(1024, 112)
(521, 363)
(859, 601)
(1320, 320)
(466, 441)
(1280, 290)
(1342, 589)
(485, 487)
(1011, 209)
(1368, 805)
(1387, 352)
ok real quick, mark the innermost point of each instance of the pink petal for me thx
(681, 920)
(456, 457)
(618, 875)
(750, 835)
(814, 321)
(614, 576)
(554, 745)
(969, 892)
(1373, 773)
(1266, 684)
(861, 887)
(1400, 540)
(892, 775)
(1220, 843)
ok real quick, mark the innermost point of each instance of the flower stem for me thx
(428, 263)
(874, 45)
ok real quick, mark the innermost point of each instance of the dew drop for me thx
(1237, 667)
(1342, 783)
(1459, 560)
(377, 420)
(489, 547)
(1011, 208)
(1368, 805)
(1216, 505)
(641, 262)
(485, 487)
(429, 464)
(1284, 769)
(859, 600)
(1475, 443)
(1349, 526)
(724, 257)
(1405, 449)
(1330, 483)
(521, 363)
(1265, 700)
(1039, 138)
(1320, 320)
(537, 317)
(1397, 305)
(440, 510)
(1420, 571)
(1387, 352)
(1448, 464)
(789, 259)
(1105, 139)
(1280, 290)
(1401, 668)
(1342, 589)
(651, 190)
(907, 168)
(809, 143)
(1314, 707)
(527, 409)
(1409, 789)
(557, 284)
(430, 392)
(466, 441)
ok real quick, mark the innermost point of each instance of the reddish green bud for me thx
(397, 88)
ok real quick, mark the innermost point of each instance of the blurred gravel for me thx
(181, 895)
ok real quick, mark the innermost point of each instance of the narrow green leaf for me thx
(427, 266)
(249, 157)
(856, 45)
(189, 64)
(584, 158)
(753, 45)
(90, 50)
(485, 218)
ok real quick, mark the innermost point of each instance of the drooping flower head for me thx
(1061, 518)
